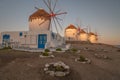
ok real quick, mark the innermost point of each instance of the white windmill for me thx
(92, 37)
(82, 33)
(47, 21)
(50, 18)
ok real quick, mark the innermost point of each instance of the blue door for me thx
(6, 39)
(42, 39)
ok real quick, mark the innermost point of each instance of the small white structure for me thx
(76, 34)
(38, 36)
(92, 37)
(71, 33)
(82, 36)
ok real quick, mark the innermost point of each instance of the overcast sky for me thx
(102, 16)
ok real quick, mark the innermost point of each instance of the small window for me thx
(21, 34)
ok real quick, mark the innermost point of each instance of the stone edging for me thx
(57, 73)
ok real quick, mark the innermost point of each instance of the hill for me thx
(105, 65)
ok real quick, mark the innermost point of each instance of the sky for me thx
(103, 16)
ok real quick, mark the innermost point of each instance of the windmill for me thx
(80, 28)
(82, 33)
(53, 15)
(92, 36)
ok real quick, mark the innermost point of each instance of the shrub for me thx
(45, 54)
(74, 50)
(56, 68)
(47, 50)
(82, 58)
(59, 68)
(7, 47)
(58, 49)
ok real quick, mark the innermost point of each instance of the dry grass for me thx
(17, 65)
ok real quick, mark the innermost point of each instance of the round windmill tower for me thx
(82, 34)
(92, 37)
(42, 23)
(43, 20)
(39, 21)
(71, 33)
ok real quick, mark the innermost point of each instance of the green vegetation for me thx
(47, 50)
(56, 68)
(74, 50)
(45, 54)
(6, 48)
(82, 58)
(59, 68)
(58, 49)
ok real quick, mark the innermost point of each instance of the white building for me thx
(92, 37)
(76, 34)
(71, 33)
(38, 36)
(82, 36)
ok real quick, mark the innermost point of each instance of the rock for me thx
(47, 65)
(45, 69)
(78, 51)
(56, 64)
(76, 59)
(89, 61)
(41, 56)
(66, 67)
(51, 73)
(60, 74)
(68, 46)
(52, 56)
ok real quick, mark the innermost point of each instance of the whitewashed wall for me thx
(14, 37)
(83, 37)
(31, 39)
(71, 34)
(33, 36)
(92, 38)
(39, 24)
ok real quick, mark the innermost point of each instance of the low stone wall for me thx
(58, 69)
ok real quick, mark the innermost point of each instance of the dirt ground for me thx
(18, 65)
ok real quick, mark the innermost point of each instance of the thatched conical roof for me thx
(41, 13)
(71, 27)
(91, 33)
(82, 31)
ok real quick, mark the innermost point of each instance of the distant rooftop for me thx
(71, 27)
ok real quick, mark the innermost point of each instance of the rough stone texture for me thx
(51, 73)
(57, 73)
(60, 74)
(87, 60)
